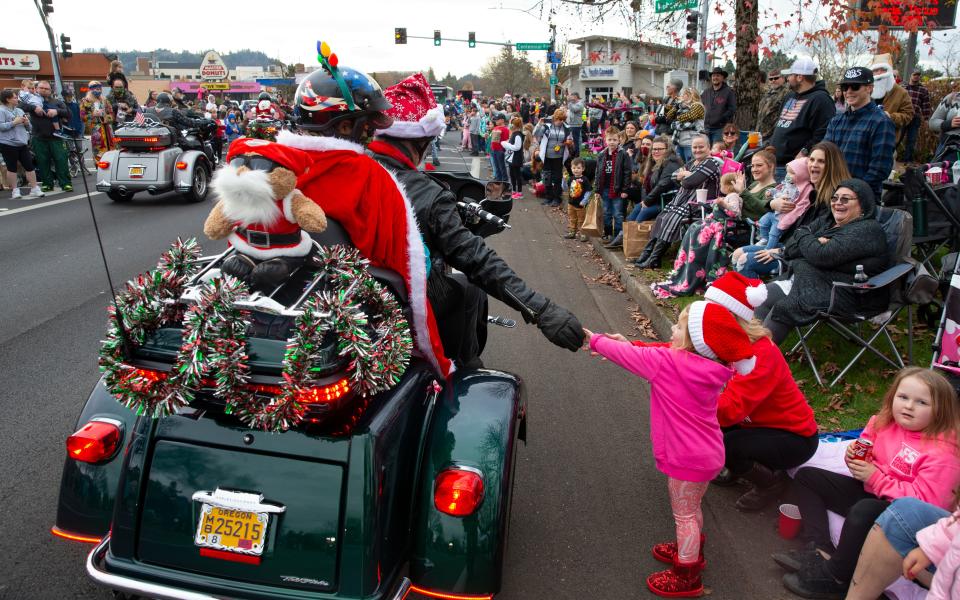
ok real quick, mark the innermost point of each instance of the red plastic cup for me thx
(790, 522)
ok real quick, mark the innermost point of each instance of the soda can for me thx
(862, 449)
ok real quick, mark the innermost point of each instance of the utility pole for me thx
(702, 54)
(54, 59)
(553, 48)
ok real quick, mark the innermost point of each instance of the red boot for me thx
(680, 581)
(667, 552)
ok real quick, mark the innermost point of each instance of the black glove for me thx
(560, 326)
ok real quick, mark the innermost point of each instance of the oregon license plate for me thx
(231, 529)
(137, 171)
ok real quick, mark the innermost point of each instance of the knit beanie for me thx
(863, 191)
(738, 294)
(716, 334)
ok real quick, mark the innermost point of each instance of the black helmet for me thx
(163, 99)
(264, 96)
(320, 104)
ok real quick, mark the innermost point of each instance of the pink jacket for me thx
(684, 387)
(909, 465)
(941, 544)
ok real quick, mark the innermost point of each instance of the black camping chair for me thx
(936, 215)
(898, 227)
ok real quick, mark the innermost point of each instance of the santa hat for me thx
(287, 157)
(738, 294)
(883, 60)
(717, 335)
(415, 112)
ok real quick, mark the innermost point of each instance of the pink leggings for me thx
(685, 499)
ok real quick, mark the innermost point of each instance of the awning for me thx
(236, 87)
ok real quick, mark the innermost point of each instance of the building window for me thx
(233, 77)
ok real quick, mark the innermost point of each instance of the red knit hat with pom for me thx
(717, 335)
(739, 294)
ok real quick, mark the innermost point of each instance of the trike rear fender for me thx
(183, 178)
(88, 491)
(476, 424)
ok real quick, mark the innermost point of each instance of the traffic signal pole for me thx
(702, 54)
(447, 39)
(54, 59)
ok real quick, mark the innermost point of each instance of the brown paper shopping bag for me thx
(635, 237)
(593, 221)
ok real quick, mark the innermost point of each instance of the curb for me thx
(638, 290)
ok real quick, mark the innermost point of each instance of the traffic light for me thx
(400, 35)
(65, 46)
(46, 6)
(436, 37)
(693, 21)
(472, 39)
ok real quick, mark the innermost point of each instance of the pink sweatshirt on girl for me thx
(910, 466)
(941, 544)
(684, 387)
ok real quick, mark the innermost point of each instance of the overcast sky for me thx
(360, 32)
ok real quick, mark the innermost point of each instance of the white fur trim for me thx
(431, 124)
(288, 206)
(417, 265)
(243, 247)
(247, 198)
(715, 294)
(695, 326)
(756, 295)
(745, 366)
(317, 143)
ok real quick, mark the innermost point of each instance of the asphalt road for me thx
(588, 503)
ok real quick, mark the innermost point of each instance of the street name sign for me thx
(663, 6)
(533, 45)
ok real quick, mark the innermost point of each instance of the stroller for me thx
(946, 344)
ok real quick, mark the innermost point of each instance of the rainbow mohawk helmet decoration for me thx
(335, 93)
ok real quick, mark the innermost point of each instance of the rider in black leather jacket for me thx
(451, 243)
(165, 112)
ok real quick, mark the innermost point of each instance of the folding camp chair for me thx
(938, 225)
(898, 227)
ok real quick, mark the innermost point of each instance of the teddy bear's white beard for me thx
(247, 197)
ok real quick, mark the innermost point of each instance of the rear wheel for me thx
(200, 185)
(118, 196)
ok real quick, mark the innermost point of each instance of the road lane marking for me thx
(45, 204)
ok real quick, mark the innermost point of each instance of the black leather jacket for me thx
(451, 243)
(171, 116)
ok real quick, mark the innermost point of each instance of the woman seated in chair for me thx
(652, 177)
(825, 168)
(700, 173)
(705, 248)
(827, 251)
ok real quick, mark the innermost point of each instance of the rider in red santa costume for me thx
(337, 109)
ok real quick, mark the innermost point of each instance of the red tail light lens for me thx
(74, 537)
(458, 491)
(95, 442)
(323, 395)
(103, 165)
(419, 592)
(182, 166)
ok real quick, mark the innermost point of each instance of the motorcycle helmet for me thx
(320, 105)
(163, 99)
(265, 96)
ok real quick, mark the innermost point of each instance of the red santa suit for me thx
(266, 112)
(370, 204)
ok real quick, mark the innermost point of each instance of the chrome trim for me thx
(237, 501)
(402, 590)
(133, 586)
(114, 422)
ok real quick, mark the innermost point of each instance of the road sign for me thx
(663, 6)
(553, 67)
(533, 45)
(553, 80)
(554, 57)
(217, 86)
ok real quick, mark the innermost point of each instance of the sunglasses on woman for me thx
(730, 133)
(842, 200)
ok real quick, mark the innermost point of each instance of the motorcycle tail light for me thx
(74, 537)
(95, 442)
(182, 166)
(103, 164)
(323, 395)
(417, 592)
(458, 491)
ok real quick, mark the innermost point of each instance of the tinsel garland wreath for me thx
(378, 346)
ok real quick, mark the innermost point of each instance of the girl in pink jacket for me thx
(685, 382)
(914, 454)
(939, 545)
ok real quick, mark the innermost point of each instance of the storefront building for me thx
(76, 71)
(609, 65)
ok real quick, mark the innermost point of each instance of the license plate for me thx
(231, 529)
(137, 171)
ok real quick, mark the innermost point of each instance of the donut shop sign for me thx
(19, 62)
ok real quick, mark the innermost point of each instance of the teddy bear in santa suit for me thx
(262, 214)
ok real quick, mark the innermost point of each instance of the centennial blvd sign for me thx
(663, 6)
(533, 45)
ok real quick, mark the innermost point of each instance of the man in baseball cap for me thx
(864, 133)
(805, 114)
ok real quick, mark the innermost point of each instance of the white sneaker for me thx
(36, 192)
(15, 194)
